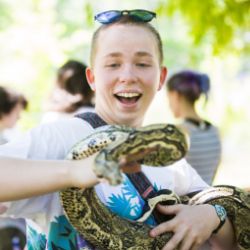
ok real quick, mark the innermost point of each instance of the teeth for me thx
(128, 95)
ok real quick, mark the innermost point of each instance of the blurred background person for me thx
(12, 103)
(184, 89)
(71, 94)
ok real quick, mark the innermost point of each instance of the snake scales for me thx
(154, 145)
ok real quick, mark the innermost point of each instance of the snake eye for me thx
(92, 143)
(170, 129)
(112, 137)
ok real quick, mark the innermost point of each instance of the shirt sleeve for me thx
(186, 178)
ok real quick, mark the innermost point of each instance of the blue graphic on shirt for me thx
(35, 241)
(62, 236)
(156, 188)
(129, 203)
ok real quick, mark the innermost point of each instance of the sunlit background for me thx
(38, 36)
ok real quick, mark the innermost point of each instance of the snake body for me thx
(154, 145)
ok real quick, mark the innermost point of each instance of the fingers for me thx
(184, 240)
(162, 228)
(173, 209)
(186, 243)
(175, 240)
(188, 231)
(167, 226)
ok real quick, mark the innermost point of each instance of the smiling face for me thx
(126, 73)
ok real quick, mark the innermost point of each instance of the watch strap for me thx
(222, 215)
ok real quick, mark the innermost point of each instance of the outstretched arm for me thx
(193, 226)
(27, 178)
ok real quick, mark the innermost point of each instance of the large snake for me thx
(154, 145)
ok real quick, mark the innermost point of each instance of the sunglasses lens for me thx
(114, 15)
(142, 15)
(108, 16)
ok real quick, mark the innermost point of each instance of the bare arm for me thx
(28, 178)
(225, 238)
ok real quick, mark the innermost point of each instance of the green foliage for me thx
(73, 16)
(5, 15)
(89, 13)
(219, 21)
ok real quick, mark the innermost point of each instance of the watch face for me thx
(221, 212)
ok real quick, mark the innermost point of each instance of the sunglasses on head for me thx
(111, 16)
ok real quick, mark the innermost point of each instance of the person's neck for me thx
(113, 121)
(189, 112)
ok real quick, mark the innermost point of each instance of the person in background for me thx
(11, 106)
(12, 103)
(184, 89)
(71, 94)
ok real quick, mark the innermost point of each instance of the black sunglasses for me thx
(111, 16)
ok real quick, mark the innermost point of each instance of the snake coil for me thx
(165, 144)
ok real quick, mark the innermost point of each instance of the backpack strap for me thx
(92, 118)
(139, 179)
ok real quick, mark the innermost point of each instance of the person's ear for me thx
(163, 77)
(90, 78)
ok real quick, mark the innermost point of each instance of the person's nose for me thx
(127, 74)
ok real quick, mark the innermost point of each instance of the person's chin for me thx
(129, 117)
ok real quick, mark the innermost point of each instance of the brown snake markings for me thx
(164, 145)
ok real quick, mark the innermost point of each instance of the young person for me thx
(184, 89)
(71, 94)
(125, 74)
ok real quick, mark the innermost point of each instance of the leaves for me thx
(220, 20)
(5, 15)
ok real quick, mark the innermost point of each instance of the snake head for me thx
(108, 170)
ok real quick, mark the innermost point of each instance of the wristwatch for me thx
(222, 214)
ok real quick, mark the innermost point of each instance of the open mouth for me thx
(128, 98)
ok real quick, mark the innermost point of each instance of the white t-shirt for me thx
(52, 116)
(47, 224)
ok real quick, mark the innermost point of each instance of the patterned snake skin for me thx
(154, 145)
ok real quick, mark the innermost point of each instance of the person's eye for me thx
(113, 65)
(143, 64)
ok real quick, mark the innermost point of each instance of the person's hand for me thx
(81, 172)
(192, 225)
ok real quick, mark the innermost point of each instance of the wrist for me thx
(221, 215)
(82, 174)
